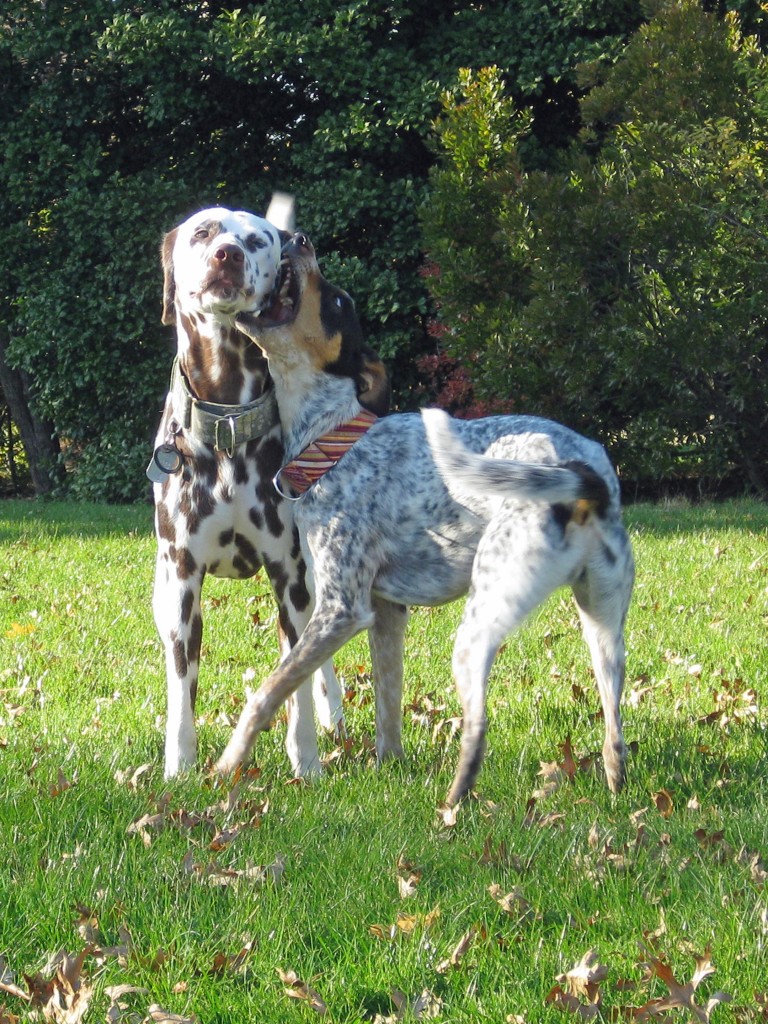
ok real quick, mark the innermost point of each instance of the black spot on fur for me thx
(594, 488)
(296, 551)
(562, 515)
(246, 557)
(179, 658)
(241, 470)
(299, 595)
(195, 638)
(187, 604)
(186, 566)
(226, 537)
(278, 577)
(286, 625)
(166, 528)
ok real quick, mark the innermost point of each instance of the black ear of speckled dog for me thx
(374, 390)
(356, 359)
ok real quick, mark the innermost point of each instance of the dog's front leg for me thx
(387, 636)
(176, 607)
(325, 633)
(328, 700)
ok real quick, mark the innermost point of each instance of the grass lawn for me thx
(353, 898)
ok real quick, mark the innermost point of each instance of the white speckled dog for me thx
(419, 509)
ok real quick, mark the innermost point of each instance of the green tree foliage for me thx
(625, 292)
(121, 118)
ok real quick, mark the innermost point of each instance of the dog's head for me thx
(312, 320)
(219, 261)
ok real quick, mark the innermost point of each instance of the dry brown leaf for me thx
(682, 996)
(61, 785)
(405, 924)
(65, 998)
(216, 875)
(141, 826)
(298, 989)
(130, 777)
(231, 963)
(122, 950)
(753, 860)
(664, 803)
(423, 1007)
(578, 990)
(225, 836)
(512, 903)
(584, 978)
(118, 1011)
(161, 1016)
(8, 982)
(464, 944)
(408, 886)
(87, 924)
(563, 1000)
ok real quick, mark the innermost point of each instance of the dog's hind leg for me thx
(473, 655)
(386, 636)
(516, 568)
(602, 595)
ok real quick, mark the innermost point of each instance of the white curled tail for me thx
(467, 474)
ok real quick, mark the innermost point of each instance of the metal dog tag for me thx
(165, 460)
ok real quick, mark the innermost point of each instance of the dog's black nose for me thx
(229, 254)
(301, 239)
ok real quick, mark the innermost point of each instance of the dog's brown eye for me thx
(202, 234)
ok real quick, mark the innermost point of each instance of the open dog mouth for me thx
(282, 306)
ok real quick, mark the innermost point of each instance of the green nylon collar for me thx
(224, 427)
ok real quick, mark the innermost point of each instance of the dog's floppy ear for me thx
(169, 282)
(373, 388)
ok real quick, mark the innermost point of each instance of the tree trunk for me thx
(37, 436)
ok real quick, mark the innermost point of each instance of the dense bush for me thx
(120, 118)
(624, 292)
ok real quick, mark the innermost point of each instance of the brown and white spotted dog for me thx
(420, 509)
(217, 449)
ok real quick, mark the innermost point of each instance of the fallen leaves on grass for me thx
(63, 998)
(405, 924)
(664, 803)
(215, 874)
(554, 774)
(460, 950)
(295, 988)
(119, 1010)
(682, 996)
(161, 1016)
(239, 814)
(422, 1007)
(734, 703)
(579, 990)
(513, 903)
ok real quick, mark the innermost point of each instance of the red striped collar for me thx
(322, 455)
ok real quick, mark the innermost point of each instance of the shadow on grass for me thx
(675, 517)
(37, 518)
